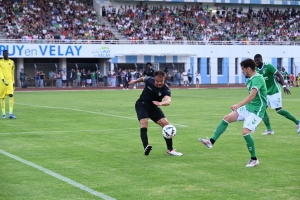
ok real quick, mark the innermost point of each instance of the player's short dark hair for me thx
(257, 56)
(148, 63)
(159, 73)
(5, 51)
(248, 63)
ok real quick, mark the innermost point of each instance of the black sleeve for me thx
(167, 92)
(146, 79)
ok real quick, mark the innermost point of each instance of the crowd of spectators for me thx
(143, 22)
(52, 20)
(200, 23)
(45, 20)
(263, 25)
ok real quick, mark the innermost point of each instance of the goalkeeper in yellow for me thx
(7, 84)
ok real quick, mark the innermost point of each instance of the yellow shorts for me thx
(6, 90)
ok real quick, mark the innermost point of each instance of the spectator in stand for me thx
(190, 76)
(109, 79)
(58, 80)
(64, 78)
(93, 77)
(78, 78)
(88, 78)
(51, 77)
(292, 80)
(178, 77)
(198, 79)
(42, 78)
(70, 77)
(123, 72)
(185, 78)
(113, 78)
(100, 79)
(137, 75)
(127, 79)
(74, 77)
(37, 79)
(119, 77)
(22, 77)
(83, 78)
(132, 72)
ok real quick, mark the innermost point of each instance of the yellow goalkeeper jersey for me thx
(7, 68)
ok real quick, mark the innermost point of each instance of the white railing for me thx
(146, 42)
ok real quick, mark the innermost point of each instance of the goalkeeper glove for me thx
(4, 81)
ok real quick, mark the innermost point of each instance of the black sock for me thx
(169, 144)
(212, 140)
(144, 137)
(253, 158)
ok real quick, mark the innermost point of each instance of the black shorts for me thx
(143, 111)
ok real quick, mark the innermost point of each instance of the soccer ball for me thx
(169, 131)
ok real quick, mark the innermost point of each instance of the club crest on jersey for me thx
(159, 94)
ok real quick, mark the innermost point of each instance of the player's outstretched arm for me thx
(165, 102)
(282, 83)
(247, 100)
(141, 79)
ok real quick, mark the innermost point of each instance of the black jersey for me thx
(152, 93)
(149, 72)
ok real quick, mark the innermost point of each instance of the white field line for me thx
(58, 176)
(43, 132)
(86, 111)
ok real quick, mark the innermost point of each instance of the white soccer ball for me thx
(169, 131)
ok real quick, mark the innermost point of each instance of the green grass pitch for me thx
(92, 137)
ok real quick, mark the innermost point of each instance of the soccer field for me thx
(75, 145)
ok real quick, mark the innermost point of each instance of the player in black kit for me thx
(148, 71)
(147, 106)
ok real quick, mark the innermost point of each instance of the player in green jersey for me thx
(270, 74)
(285, 76)
(251, 110)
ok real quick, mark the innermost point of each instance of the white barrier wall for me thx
(188, 54)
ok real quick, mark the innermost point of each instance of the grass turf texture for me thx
(92, 137)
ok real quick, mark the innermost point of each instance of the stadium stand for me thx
(261, 25)
(49, 21)
(195, 22)
(143, 22)
(44, 21)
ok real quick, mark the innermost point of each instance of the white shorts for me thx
(285, 81)
(250, 119)
(275, 100)
(88, 80)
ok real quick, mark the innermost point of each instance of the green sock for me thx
(250, 145)
(267, 122)
(288, 115)
(220, 129)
